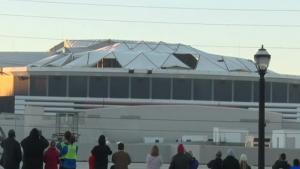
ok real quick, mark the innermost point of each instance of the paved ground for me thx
(84, 165)
(143, 166)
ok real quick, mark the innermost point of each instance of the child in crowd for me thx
(51, 156)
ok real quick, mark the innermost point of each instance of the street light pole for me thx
(262, 59)
(261, 123)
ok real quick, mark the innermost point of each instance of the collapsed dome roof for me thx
(139, 55)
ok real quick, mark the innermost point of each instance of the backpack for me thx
(194, 164)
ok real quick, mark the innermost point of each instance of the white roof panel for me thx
(62, 61)
(172, 62)
(88, 59)
(157, 58)
(249, 64)
(142, 47)
(125, 57)
(205, 64)
(163, 48)
(234, 65)
(141, 62)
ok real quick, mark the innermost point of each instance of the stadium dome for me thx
(140, 55)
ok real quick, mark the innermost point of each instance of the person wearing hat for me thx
(217, 162)
(181, 160)
(12, 154)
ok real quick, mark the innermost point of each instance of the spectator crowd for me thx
(35, 152)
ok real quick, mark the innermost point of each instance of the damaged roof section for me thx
(140, 55)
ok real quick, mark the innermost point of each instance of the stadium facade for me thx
(104, 82)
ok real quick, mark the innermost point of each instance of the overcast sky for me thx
(243, 33)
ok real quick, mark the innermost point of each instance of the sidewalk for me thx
(84, 165)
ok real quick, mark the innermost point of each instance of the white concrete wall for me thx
(132, 123)
(173, 121)
(279, 138)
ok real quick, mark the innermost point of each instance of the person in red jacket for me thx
(51, 157)
(92, 162)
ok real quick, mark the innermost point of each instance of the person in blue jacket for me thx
(296, 164)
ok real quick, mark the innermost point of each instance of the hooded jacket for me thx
(33, 148)
(101, 153)
(51, 158)
(12, 154)
(281, 164)
(217, 163)
(230, 162)
(180, 160)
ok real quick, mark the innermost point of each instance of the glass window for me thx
(21, 85)
(38, 86)
(140, 87)
(119, 87)
(98, 87)
(57, 86)
(223, 90)
(77, 86)
(267, 91)
(161, 88)
(294, 93)
(202, 89)
(279, 92)
(182, 89)
(242, 91)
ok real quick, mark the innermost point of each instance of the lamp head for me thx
(262, 59)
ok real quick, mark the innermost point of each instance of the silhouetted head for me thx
(102, 140)
(68, 136)
(155, 151)
(72, 139)
(296, 162)
(282, 156)
(219, 154)
(34, 133)
(230, 152)
(52, 143)
(180, 148)
(11, 133)
(121, 146)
